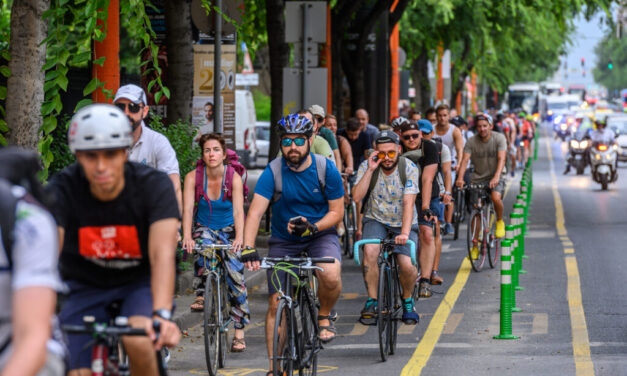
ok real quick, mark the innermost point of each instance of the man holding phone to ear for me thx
(308, 196)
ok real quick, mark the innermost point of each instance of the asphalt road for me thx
(459, 321)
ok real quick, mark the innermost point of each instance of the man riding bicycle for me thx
(389, 203)
(117, 223)
(487, 150)
(308, 200)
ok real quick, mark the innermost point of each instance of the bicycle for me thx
(459, 210)
(350, 218)
(108, 355)
(481, 228)
(216, 318)
(389, 293)
(295, 344)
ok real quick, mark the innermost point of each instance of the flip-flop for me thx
(238, 341)
(200, 300)
(330, 328)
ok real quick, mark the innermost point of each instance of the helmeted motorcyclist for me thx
(601, 134)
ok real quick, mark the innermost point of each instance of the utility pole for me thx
(109, 48)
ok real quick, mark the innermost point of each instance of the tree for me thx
(25, 85)
(611, 49)
(180, 59)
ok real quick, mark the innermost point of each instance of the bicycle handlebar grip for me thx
(412, 247)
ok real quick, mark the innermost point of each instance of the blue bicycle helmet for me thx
(295, 124)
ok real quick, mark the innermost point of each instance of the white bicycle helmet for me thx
(98, 127)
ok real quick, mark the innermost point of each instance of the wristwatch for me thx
(447, 193)
(163, 313)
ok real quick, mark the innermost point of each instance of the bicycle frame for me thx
(216, 255)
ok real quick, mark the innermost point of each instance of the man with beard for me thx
(307, 194)
(389, 204)
(149, 147)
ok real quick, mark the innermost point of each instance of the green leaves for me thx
(91, 86)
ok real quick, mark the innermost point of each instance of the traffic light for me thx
(583, 62)
(610, 65)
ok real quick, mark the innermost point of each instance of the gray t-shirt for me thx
(35, 253)
(153, 149)
(385, 204)
(484, 155)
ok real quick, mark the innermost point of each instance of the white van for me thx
(245, 119)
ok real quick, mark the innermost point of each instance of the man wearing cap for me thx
(487, 150)
(319, 130)
(382, 216)
(426, 155)
(149, 147)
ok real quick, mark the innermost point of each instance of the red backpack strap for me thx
(228, 184)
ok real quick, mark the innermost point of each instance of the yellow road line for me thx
(579, 329)
(423, 352)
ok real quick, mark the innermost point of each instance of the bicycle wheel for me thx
(282, 355)
(345, 237)
(492, 243)
(397, 306)
(475, 238)
(224, 316)
(351, 229)
(384, 310)
(308, 345)
(211, 324)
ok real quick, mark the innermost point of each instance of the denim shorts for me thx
(84, 300)
(436, 207)
(324, 244)
(377, 230)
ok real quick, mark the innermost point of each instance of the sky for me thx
(584, 39)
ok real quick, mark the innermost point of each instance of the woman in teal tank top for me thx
(217, 220)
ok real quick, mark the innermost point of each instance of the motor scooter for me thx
(603, 163)
(578, 152)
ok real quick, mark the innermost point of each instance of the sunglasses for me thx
(319, 119)
(411, 136)
(287, 142)
(133, 108)
(390, 154)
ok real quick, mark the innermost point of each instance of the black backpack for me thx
(8, 203)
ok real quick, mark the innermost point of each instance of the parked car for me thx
(245, 118)
(618, 124)
(262, 136)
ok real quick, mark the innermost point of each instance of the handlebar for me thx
(107, 330)
(300, 262)
(411, 243)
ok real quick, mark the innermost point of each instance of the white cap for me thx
(133, 93)
(99, 127)
(317, 110)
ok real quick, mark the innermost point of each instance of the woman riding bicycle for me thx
(217, 220)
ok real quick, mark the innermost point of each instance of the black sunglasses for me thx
(133, 108)
(411, 136)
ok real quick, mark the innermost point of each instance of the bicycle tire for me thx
(223, 317)
(477, 263)
(351, 229)
(308, 338)
(281, 341)
(211, 326)
(492, 243)
(384, 310)
(345, 237)
(397, 306)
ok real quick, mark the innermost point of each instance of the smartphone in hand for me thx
(296, 220)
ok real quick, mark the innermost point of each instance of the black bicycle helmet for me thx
(458, 121)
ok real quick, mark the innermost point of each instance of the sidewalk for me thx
(185, 296)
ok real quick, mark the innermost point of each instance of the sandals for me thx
(329, 328)
(238, 341)
(198, 304)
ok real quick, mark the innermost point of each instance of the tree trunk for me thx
(458, 85)
(25, 86)
(420, 76)
(275, 24)
(180, 59)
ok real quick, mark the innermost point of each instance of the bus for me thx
(524, 96)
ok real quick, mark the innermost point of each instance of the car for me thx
(245, 117)
(618, 123)
(262, 135)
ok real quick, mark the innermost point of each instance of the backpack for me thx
(277, 164)
(402, 171)
(232, 166)
(8, 204)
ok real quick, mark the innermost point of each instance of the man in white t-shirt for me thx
(149, 147)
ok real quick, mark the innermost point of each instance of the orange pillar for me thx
(458, 101)
(109, 72)
(325, 56)
(439, 94)
(474, 92)
(395, 79)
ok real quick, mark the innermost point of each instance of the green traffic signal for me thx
(610, 65)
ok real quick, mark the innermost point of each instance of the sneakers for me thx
(436, 279)
(500, 229)
(474, 252)
(410, 317)
(448, 228)
(369, 312)
(423, 289)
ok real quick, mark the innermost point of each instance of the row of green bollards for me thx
(513, 253)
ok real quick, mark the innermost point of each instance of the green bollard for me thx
(515, 219)
(520, 235)
(524, 189)
(521, 210)
(535, 146)
(509, 235)
(507, 292)
(522, 200)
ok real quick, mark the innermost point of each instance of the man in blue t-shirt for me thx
(303, 217)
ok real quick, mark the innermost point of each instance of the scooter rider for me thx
(602, 135)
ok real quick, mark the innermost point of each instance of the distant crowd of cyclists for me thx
(105, 229)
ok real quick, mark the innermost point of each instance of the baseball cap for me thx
(386, 136)
(317, 110)
(409, 126)
(425, 126)
(131, 92)
(458, 121)
(485, 117)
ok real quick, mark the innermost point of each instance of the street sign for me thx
(315, 93)
(247, 79)
(316, 25)
(232, 9)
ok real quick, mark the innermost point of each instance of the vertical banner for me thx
(203, 102)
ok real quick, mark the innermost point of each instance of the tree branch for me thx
(398, 13)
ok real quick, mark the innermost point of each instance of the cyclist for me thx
(364, 122)
(397, 123)
(510, 133)
(487, 151)
(117, 223)
(346, 154)
(414, 115)
(452, 137)
(389, 209)
(318, 145)
(303, 217)
(426, 156)
(318, 119)
(28, 274)
(218, 220)
(602, 134)
(359, 141)
(149, 147)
